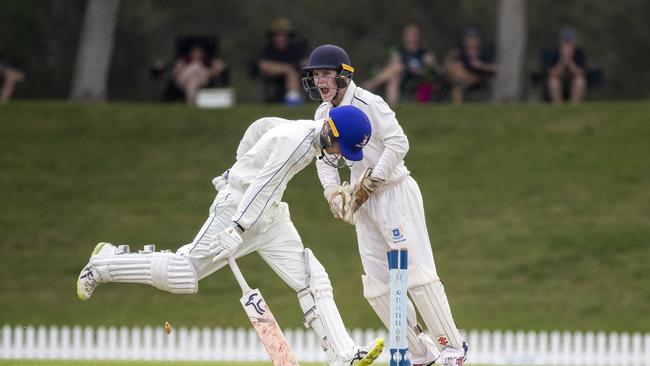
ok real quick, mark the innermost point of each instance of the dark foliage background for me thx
(41, 37)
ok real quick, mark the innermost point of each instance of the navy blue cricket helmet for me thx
(328, 57)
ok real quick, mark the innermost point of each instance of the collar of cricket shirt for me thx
(349, 93)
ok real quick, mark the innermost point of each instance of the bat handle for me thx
(238, 275)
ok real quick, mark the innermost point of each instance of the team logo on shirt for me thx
(397, 233)
(363, 142)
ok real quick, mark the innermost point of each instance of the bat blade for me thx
(267, 329)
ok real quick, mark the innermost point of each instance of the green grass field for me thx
(539, 216)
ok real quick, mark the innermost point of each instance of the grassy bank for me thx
(539, 217)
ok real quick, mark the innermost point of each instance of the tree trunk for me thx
(95, 49)
(511, 44)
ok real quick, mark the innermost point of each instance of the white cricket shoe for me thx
(89, 277)
(450, 356)
(368, 353)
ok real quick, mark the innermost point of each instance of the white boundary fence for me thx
(242, 344)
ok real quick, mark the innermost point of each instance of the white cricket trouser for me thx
(393, 217)
(274, 237)
(276, 240)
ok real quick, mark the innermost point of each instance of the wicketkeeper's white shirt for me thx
(394, 215)
(387, 146)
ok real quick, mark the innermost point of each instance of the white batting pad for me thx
(377, 294)
(429, 296)
(322, 315)
(166, 271)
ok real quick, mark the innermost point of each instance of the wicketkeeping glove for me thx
(367, 186)
(224, 244)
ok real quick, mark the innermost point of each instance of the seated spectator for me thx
(409, 70)
(565, 69)
(10, 76)
(469, 65)
(280, 63)
(194, 70)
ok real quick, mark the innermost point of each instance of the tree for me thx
(511, 45)
(95, 49)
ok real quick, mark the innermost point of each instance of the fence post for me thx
(625, 349)
(497, 347)
(578, 349)
(542, 348)
(508, 347)
(646, 346)
(614, 350)
(206, 338)
(217, 344)
(566, 347)
(18, 342)
(66, 350)
(590, 348)
(601, 349)
(53, 343)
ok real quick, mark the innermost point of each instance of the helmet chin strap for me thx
(336, 96)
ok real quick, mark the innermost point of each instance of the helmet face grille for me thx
(309, 84)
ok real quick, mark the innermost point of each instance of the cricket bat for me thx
(265, 325)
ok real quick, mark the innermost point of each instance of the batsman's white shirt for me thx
(394, 215)
(269, 155)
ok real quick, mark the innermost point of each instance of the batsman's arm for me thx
(328, 175)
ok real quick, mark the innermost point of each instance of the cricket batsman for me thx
(385, 204)
(247, 215)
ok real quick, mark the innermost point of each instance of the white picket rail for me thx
(242, 344)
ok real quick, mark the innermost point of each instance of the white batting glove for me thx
(221, 181)
(224, 244)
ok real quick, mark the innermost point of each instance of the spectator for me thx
(194, 70)
(280, 63)
(565, 69)
(409, 70)
(10, 77)
(469, 65)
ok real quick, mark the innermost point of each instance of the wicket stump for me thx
(398, 265)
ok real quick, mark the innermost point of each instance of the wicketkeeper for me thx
(385, 204)
(247, 215)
